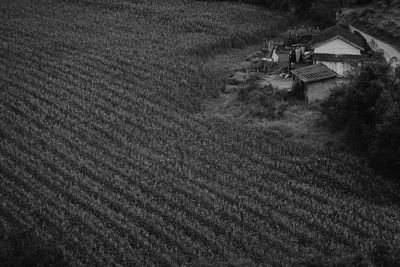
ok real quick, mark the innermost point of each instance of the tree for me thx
(367, 110)
(323, 13)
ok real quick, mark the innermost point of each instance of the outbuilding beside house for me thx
(314, 82)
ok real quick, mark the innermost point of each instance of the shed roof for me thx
(337, 32)
(335, 58)
(314, 73)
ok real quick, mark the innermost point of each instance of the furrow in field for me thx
(37, 218)
(121, 77)
(107, 201)
(60, 122)
(22, 205)
(7, 215)
(63, 204)
(382, 221)
(144, 66)
(342, 187)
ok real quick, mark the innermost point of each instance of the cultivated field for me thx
(102, 147)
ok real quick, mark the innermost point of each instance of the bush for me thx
(368, 111)
(245, 92)
(266, 102)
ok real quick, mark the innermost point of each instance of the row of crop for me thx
(382, 219)
(73, 196)
(110, 200)
(59, 227)
(24, 209)
(9, 222)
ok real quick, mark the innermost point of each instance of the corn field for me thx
(102, 147)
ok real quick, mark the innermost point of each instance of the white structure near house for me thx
(275, 56)
(337, 48)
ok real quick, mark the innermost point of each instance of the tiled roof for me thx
(335, 58)
(340, 32)
(314, 73)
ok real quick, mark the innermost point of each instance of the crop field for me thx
(103, 146)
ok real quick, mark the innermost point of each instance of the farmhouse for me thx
(335, 52)
(337, 48)
(314, 82)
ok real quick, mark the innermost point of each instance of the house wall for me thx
(319, 90)
(340, 67)
(337, 47)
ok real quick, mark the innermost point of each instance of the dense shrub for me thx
(244, 94)
(266, 102)
(368, 110)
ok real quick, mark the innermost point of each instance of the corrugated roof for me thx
(338, 31)
(335, 58)
(314, 73)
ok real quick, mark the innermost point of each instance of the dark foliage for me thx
(320, 13)
(368, 111)
(26, 248)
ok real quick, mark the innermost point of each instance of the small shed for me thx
(314, 81)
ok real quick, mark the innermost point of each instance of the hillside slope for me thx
(378, 20)
(100, 148)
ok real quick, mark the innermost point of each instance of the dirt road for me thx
(388, 51)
